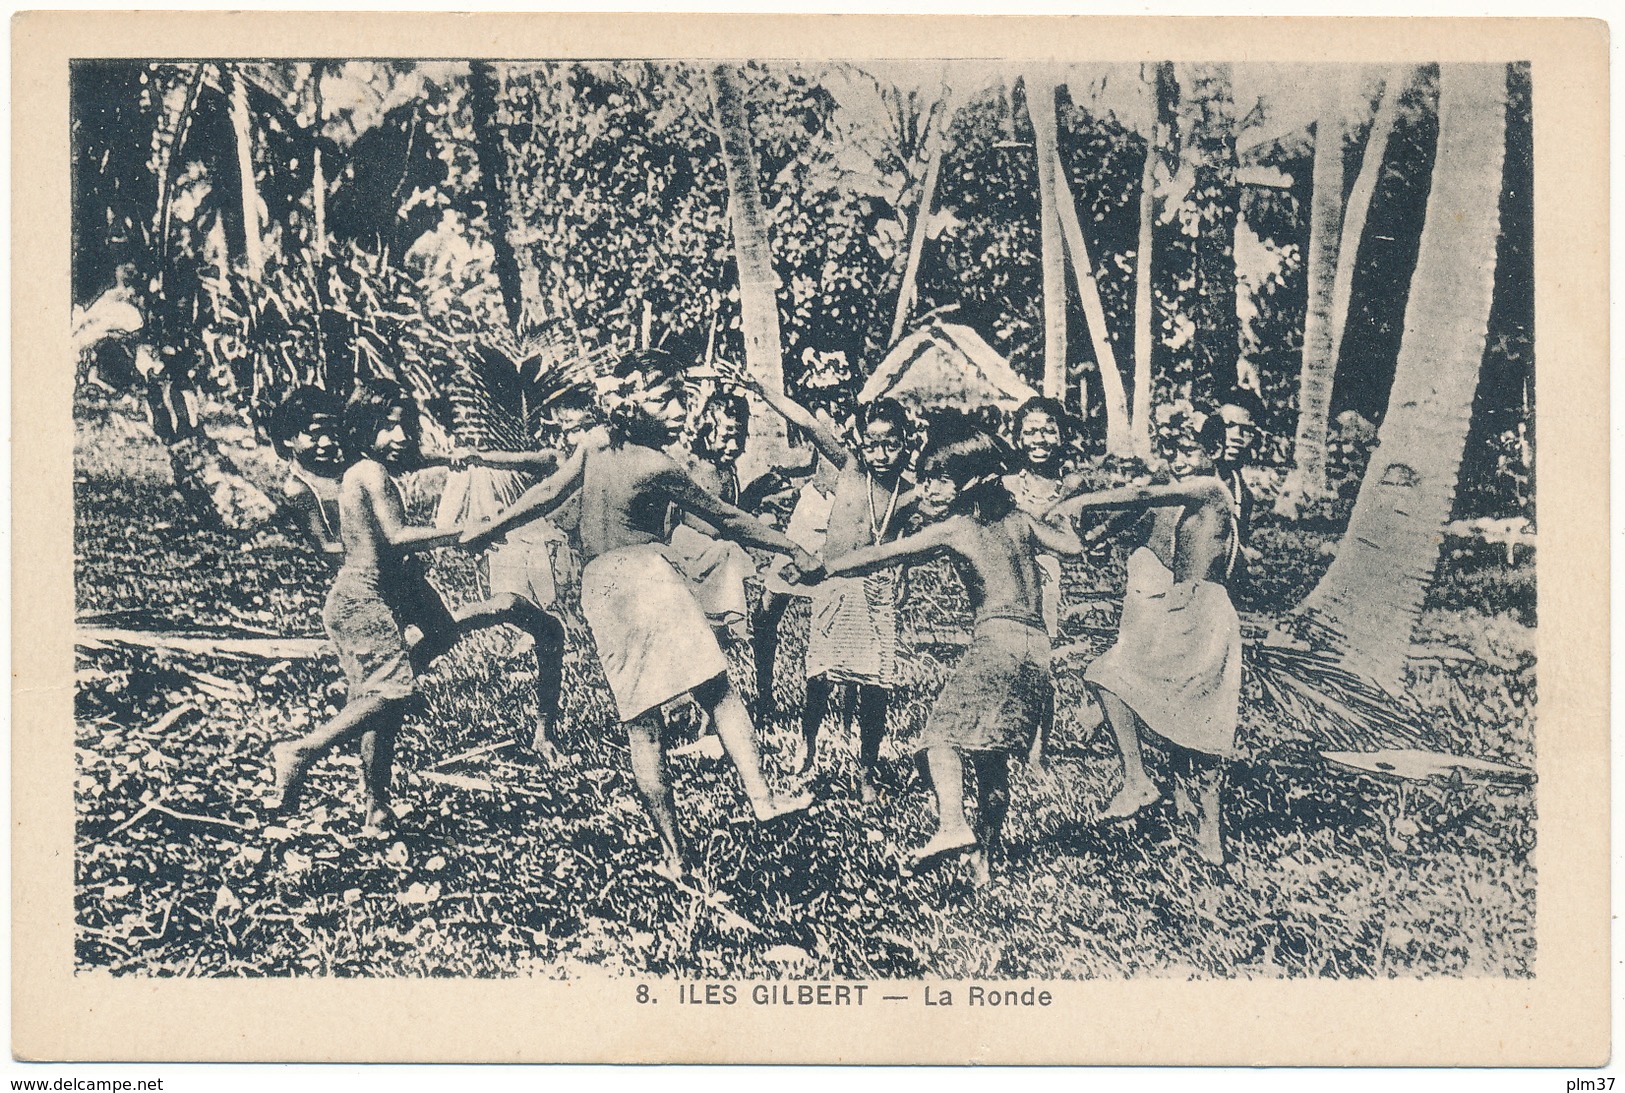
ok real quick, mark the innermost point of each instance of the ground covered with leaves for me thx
(505, 867)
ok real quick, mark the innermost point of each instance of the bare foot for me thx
(380, 822)
(980, 874)
(777, 805)
(541, 745)
(1209, 842)
(708, 747)
(945, 844)
(289, 778)
(1130, 799)
(808, 759)
(867, 790)
(674, 871)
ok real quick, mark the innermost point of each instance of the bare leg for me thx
(812, 717)
(992, 797)
(649, 775)
(547, 633)
(292, 758)
(873, 702)
(1138, 788)
(954, 832)
(1208, 775)
(377, 768)
(765, 649)
(738, 736)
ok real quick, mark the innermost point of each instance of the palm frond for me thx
(1322, 701)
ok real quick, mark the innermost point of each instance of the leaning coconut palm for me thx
(1371, 596)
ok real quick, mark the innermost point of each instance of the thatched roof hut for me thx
(947, 364)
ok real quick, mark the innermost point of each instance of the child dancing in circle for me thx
(1175, 669)
(364, 615)
(653, 639)
(852, 636)
(991, 707)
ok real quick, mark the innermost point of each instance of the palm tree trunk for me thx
(1111, 379)
(928, 192)
(1306, 486)
(1041, 111)
(318, 176)
(1370, 598)
(483, 85)
(1394, 87)
(758, 286)
(1161, 89)
(242, 128)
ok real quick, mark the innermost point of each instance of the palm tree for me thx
(1306, 486)
(1041, 110)
(1397, 82)
(936, 130)
(1163, 92)
(1370, 598)
(483, 87)
(758, 294)
(242, 127)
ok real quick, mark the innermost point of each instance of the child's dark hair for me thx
(975, 461)
(1040, 404)
(1211, 435)
(884, 409)
(722, 405)
(368, 412)
(626, 420)
(293, 415)
(652, 365)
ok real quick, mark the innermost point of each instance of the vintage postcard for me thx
(810, 539)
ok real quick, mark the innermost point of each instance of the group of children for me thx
(666, 583)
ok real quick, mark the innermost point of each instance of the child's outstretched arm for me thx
(1186, 491)
(868, 559)
(390, 518)
(1058, 537)
(537, 501)
(823, 438)
(731, 523)
(545, 461)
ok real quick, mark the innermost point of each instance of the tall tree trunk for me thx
(1162, 90)
(922, 218)
(1370, 598)
(1041, 111)
(1306, 486)
(1394, 87)
(483, 84)
(242, 128)
(753, 255)
(1111, 379)
(318, 176)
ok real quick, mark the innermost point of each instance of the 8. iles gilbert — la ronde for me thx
(856, 994)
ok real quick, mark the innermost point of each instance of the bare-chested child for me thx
(652, 637)
(362, 614)
(992, 706)
(1176, 666)
(305, 430)
(852, 635)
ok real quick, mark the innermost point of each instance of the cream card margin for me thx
(1560, 1016)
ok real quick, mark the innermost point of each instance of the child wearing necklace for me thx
(852, 638)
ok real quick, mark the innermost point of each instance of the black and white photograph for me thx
(796, 532)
